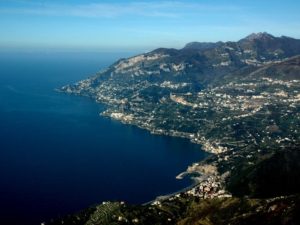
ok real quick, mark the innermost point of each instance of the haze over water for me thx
(58, 156)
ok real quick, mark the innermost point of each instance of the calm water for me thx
(57, 155)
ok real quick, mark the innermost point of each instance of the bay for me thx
(58, 156)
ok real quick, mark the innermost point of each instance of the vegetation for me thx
(274, 174)
(189, 211)
(240, 101)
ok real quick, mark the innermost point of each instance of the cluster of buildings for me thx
(209, 188)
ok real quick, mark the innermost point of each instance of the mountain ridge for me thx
(162, 73)
(239, 100)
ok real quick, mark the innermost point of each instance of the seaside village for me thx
(207, 184)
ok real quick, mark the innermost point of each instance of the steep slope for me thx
(272, 174)
(196, 65)
(219, 117)
(264, 45)
(239, 100)
(190, 210)
(213, 96)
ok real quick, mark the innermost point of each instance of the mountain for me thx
(239, 100)
(202, 45)
(189, 211)
(268, 46)
(212, 96)
(197, 64)
(189, 92)
(259, 37)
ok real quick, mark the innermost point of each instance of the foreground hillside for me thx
(267, 193)
(240, 101)
(190, 211)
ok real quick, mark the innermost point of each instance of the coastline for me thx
(172, 194)
(206, 174)
(192, 169)
(205, 144)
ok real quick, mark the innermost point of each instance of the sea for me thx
(58, 156)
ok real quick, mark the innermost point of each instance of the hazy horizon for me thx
(138, 26)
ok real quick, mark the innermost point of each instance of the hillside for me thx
(192, 211)
(211, 95)
(240, 101)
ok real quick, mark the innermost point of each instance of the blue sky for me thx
(139, 25)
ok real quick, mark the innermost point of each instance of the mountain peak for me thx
(259, 36)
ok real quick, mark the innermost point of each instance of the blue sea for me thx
(58, 156)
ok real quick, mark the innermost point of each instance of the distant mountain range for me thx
(198, 64)
(239, 100)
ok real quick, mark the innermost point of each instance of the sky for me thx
(119, 25)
